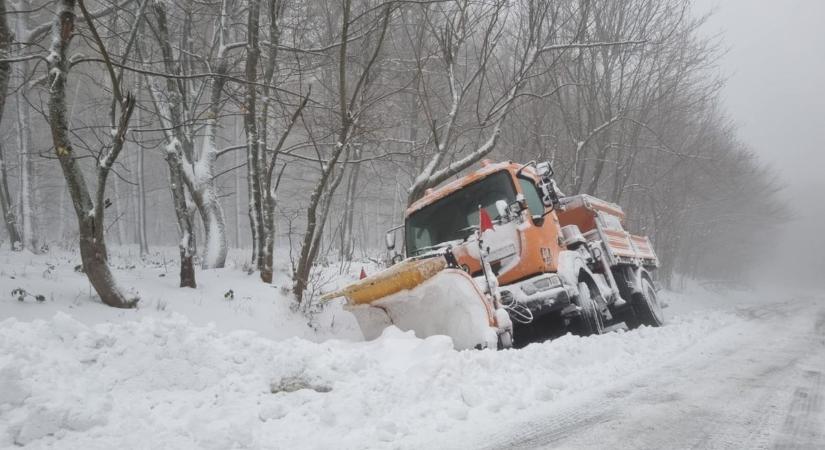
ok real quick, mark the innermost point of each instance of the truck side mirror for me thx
(390, 240)
(549, 195)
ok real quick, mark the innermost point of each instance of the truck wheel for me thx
(647, 310)
(505, 340)
(590, 321)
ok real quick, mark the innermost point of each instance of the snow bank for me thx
(231, 298)
(197, 368)
(167, 383)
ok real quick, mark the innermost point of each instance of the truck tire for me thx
(646, 308)
(590, 320)
(505, 340)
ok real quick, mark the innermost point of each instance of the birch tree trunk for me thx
(27, 199)
(27, 196)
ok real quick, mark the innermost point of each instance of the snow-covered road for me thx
(758, 385)
(192, 369)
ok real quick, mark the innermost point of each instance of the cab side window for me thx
(531, 194)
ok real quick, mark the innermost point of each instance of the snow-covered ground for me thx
(194, 369)
(230, 298)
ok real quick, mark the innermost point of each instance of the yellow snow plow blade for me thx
(404, 275)
(426, 297)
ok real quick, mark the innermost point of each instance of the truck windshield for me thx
(452, 217)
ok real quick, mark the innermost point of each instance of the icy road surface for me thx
(760, 384)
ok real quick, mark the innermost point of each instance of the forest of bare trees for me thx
(299, 130)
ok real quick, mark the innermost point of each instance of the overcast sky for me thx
(775, 66)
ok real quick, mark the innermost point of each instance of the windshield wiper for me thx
(438, 246)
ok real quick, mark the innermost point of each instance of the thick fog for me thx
(775, 66)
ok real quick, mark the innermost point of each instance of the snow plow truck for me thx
(500, 257)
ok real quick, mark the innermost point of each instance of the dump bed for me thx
(600, 220)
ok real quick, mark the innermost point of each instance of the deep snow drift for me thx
(76, 374)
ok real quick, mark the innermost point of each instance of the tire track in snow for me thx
(803, 428)
(741, 389)
(804, 425)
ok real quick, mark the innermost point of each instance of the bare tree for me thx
(26, 199)
(140, 194)
(176, 107)
(89, 210)
(351, 103)
(621, 96)
(26, 193)
(537, 39)
(9, 216)
(254, 159)
(170, 110)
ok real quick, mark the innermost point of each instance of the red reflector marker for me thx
(484, 221)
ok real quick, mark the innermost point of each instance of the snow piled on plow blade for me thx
(448, 304)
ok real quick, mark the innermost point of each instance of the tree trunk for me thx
(267, 164)
(5, 72)
(254, 165)
(143, 240)
(205, 194)
(260, 166)
(321, 196)
(238, 202)
(195, 173)
(601, 157)
(89, 216)
(140, 198)
(214, 225)
(8, 209)
(27, 194)
(5, 52)
(269, 239)
(348, 101)
(347, 240)
(186, 231)
(120, 230)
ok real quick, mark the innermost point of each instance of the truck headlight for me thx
(548, 282)
(541, 284)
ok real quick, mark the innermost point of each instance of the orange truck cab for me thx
(554, 257)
